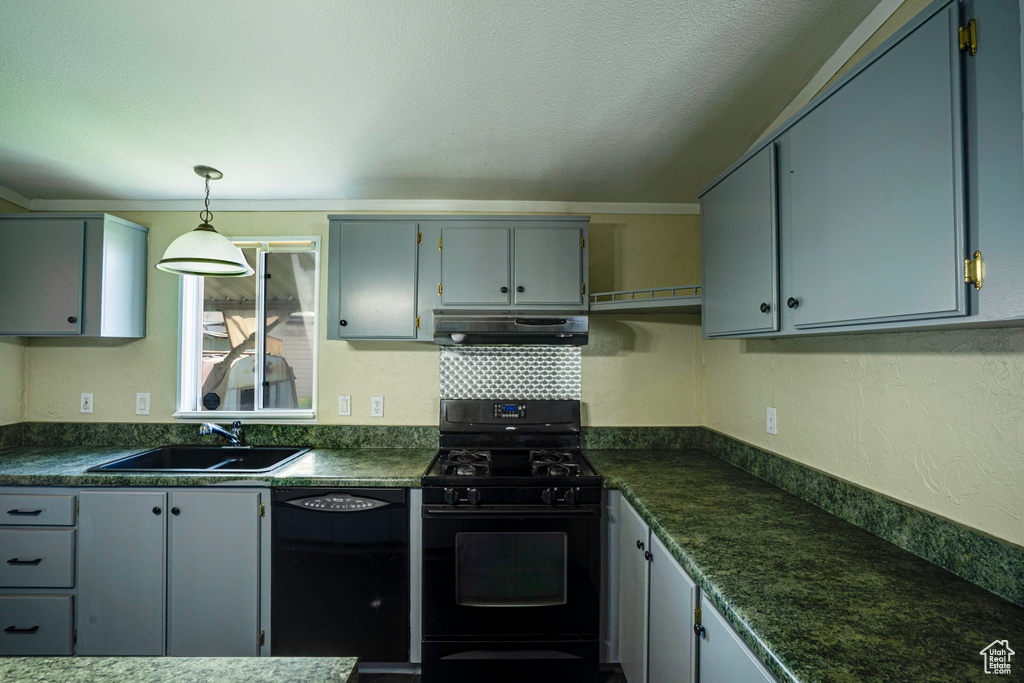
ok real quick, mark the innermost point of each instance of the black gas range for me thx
(511, 545)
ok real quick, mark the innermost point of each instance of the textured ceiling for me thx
(588, 100)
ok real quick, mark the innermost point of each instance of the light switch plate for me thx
(142, 404)
(344, 405)
(376, 406)
(86, 403)
(771, 424)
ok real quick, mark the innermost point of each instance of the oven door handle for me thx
(513, 512)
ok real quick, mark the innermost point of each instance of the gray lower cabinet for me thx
(739, 250)
(876, 222)
(213, 574)
(175, 572)
(122, 572)
(671, 637)
(634, 585)
(72, 275)
(724, 657)
(372, 279)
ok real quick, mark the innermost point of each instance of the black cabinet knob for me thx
(343, 322)
(765, 308)
(175, 511)
(792, 303)
(647, 555)
(72, 319)
(639, 545)
(157, 511)
(520, 289)
(504, 290)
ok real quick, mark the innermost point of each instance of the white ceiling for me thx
(538, 100)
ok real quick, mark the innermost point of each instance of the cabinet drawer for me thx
(35, 625)
(41, 510)
(37, 558)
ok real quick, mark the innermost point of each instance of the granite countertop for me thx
(819, 599)
(67, 465)
(178, 669)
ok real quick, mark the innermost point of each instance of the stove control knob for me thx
(570, 496)
(473, 496)
(451, 496)
(548, 496)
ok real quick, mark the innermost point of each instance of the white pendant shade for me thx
(206, 252)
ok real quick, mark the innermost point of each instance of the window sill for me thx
(248, 416)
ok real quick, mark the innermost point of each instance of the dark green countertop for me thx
(819, 599)
(67, 465)
(177, 669)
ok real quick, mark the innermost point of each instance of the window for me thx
(243, 333)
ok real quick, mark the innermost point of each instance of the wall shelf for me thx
(682, 299)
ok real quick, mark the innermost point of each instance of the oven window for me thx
(513, 569)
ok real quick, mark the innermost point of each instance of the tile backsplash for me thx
(506, 372)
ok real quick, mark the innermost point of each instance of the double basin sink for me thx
(205, 459)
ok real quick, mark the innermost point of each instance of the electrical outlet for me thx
(344, 405)
(376, 406)
(771, 424)
(142, 404)
(86, 403)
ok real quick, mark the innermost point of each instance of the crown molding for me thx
(15, 198)
(343, 205)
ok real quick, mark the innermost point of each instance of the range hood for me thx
(506, 327)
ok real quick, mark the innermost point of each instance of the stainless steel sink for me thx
(233, 459)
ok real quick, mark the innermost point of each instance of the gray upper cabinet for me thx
(739, 245)
(475, 266)
(548, 266)
(72, 275)
(876, 215)
(372, 279)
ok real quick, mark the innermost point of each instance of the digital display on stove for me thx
(509, 410)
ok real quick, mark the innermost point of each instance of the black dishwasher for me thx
(340, 573)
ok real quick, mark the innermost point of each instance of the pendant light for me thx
(204, 251)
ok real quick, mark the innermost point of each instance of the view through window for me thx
(249, 343)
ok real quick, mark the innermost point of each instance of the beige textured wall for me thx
(12, 361)
(405, 373)
(933, 419)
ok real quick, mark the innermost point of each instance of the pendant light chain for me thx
(206, 215)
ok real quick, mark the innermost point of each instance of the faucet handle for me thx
(206, 428)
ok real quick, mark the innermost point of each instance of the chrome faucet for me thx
(234, 436)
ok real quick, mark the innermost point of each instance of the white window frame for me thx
(190, 309)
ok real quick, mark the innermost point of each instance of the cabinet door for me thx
(634, 536)
(475, 266)
(41, 276)
(671, 635)
(548, 266)
(877, 206)
(724, 658)
(739, 242)
(374, 268)
(213, 574)
(121, 580)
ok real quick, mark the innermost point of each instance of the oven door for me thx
(520, 572)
